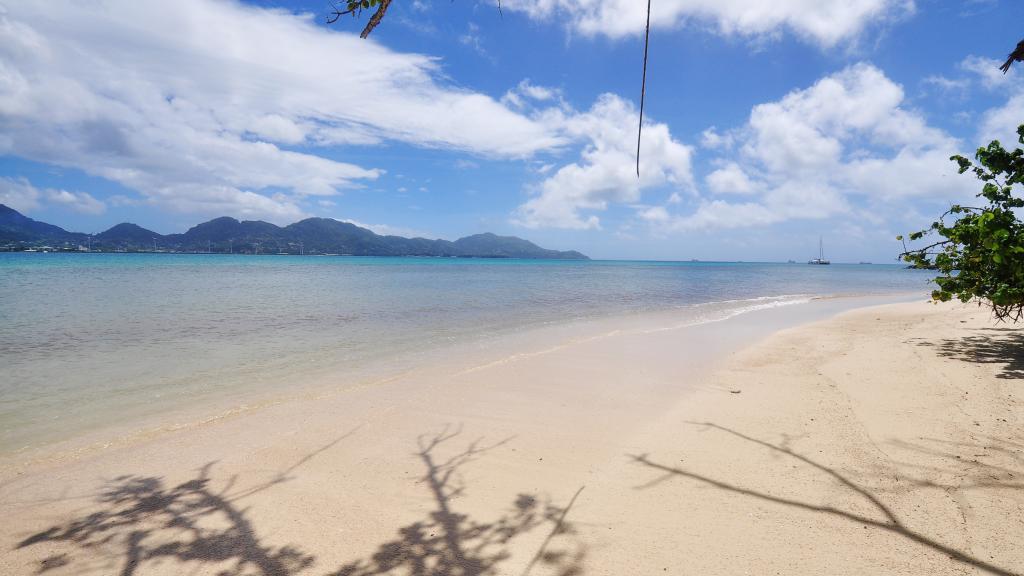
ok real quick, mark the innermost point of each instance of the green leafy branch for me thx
(980, 255)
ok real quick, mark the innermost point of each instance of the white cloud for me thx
(538, 92)
(1001, 123)
(988, 72)
(206, 199)
(807, 129)
(719, 214)
(975, 71)
(730, 179)
(192, 103)
(715, 140)
(78, 201)
(472, 39)
(846, 141)
(388, 230)
(526, 94)
(954, 86)
(824, 22)
(20, 194)
(997, 123)
(606, 171)
(277, 128)
(656, 214)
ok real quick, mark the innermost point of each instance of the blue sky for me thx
(767, 124)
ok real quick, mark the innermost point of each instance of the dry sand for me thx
(885, 440)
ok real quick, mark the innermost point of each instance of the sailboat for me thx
(820, 260)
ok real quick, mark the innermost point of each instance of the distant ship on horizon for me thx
(820, 260)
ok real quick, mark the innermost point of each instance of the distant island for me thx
(226, 235)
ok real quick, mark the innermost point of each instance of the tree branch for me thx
(334, 16)
(925, 249)
(376, 18)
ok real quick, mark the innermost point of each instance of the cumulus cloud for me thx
(824, 22)
(657, 214)
(606, 170)
(848, 139)
(730, 179)
(1001, 123)
(20, 194)
(715, 140)
(209, 106)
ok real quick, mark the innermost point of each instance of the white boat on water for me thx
(820, 260)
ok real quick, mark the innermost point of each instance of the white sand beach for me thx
(882, 440)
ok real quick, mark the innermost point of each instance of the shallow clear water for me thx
(89, 337)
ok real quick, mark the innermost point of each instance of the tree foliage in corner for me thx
(355, 9)
(981, 254)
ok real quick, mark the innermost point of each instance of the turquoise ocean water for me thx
(85, 338)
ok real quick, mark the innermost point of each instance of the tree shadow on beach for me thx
(144, 522)
(1003, 346)
(449, 543)
(141, 522)
(885, 518)
(969, 463)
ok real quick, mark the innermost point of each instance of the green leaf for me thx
(980, 250)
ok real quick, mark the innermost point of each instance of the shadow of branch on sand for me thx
(141, 523)
(969, 463)
(149, 523)
(887, 518)
(1003, 346)
(448, 543)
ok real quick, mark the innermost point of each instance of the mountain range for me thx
(222, 235)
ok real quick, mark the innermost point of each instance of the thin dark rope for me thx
(643, 88)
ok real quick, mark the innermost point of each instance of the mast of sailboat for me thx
(821, 250)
